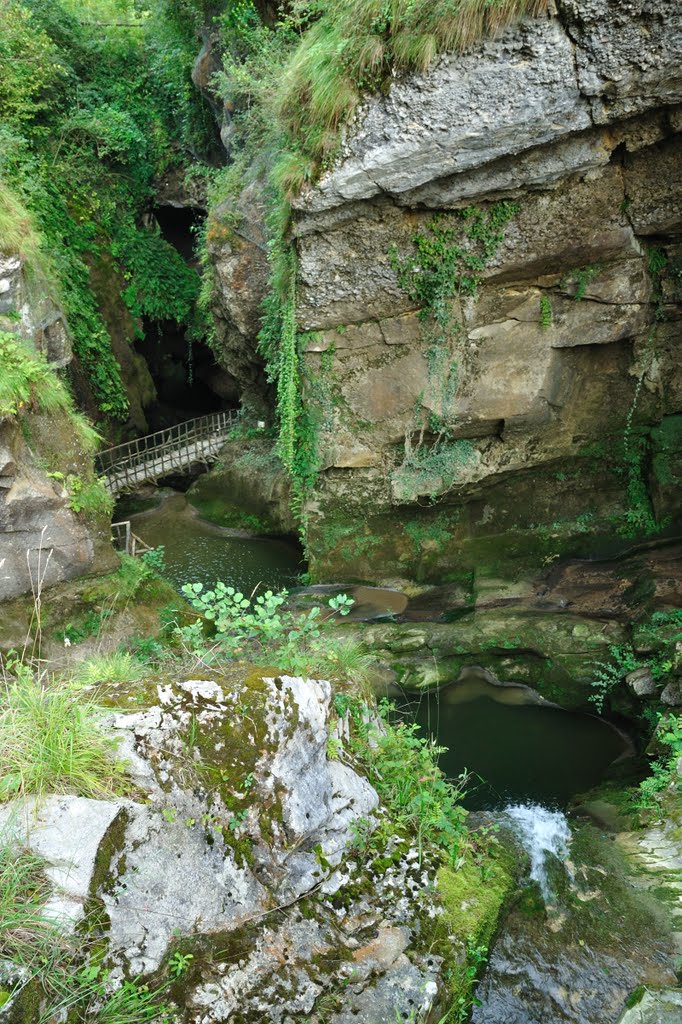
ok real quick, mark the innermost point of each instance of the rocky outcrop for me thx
(238, 850)
(42, 539)
(520, 421)
(27, 309)
(236, 244)
(249, 489)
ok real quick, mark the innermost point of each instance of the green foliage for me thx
(19, 234)
(579, 279)
(160, 284)
(27, 382)
(179, 963)
(448, 260)
(155, 560)
(50, 740)
(403, 768)
(278, 342)
(660, 633)
(639, 517)
(609, 674)
(265, 631)
(434, 469)
(32, 67)
(90, 498)
(93, 111)
(664, 770)
(546, 315)
(100, 669)
(657, 261)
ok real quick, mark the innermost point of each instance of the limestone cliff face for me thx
(42, 540)
(565, 361)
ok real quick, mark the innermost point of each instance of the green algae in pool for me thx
(517, 752)
(199, 552)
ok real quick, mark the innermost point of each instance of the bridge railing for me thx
(127, 542)
(156, 447)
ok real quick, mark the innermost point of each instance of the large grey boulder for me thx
(68, 833)
(239, 843)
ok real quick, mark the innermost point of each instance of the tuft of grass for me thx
(101, 669)
(357, 44)
(19, 234)
(50, 741)
(346, 658)
(23, 889)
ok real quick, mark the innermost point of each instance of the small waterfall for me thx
(542, 832)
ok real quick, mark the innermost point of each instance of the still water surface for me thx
(199, 552)
(518, 753)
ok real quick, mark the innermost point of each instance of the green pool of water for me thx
(199, 552)
(517, 752)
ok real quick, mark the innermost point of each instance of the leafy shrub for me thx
(155, 560)
(664, 771)
(261, 628)
(609, 674)
(403, 768)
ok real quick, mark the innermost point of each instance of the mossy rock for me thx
(554, 654)
(473, 896)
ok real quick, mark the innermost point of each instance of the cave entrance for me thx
(188, 381)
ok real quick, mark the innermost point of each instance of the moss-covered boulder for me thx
(241, 880)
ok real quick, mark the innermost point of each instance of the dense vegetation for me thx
(96, 101)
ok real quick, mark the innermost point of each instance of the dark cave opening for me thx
(189, 383)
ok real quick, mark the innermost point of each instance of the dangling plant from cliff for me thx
(278, 343)
(445, 267)
(447, 261)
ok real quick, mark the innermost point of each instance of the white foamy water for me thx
(542, 833)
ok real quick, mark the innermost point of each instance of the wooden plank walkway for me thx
(126, 466)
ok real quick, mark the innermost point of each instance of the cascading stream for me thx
(543, 833)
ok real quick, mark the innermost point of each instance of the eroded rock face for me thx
(574, 328)
(239, 846)
(236, 243)
(42, 541)
(26, 307)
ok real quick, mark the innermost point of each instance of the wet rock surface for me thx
(578, 960)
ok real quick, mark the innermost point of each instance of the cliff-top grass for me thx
(355, 47)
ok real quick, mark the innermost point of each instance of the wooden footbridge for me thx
(145, 459)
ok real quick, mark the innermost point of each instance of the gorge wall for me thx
(488, 302)
(546, 416)
(54, 519)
